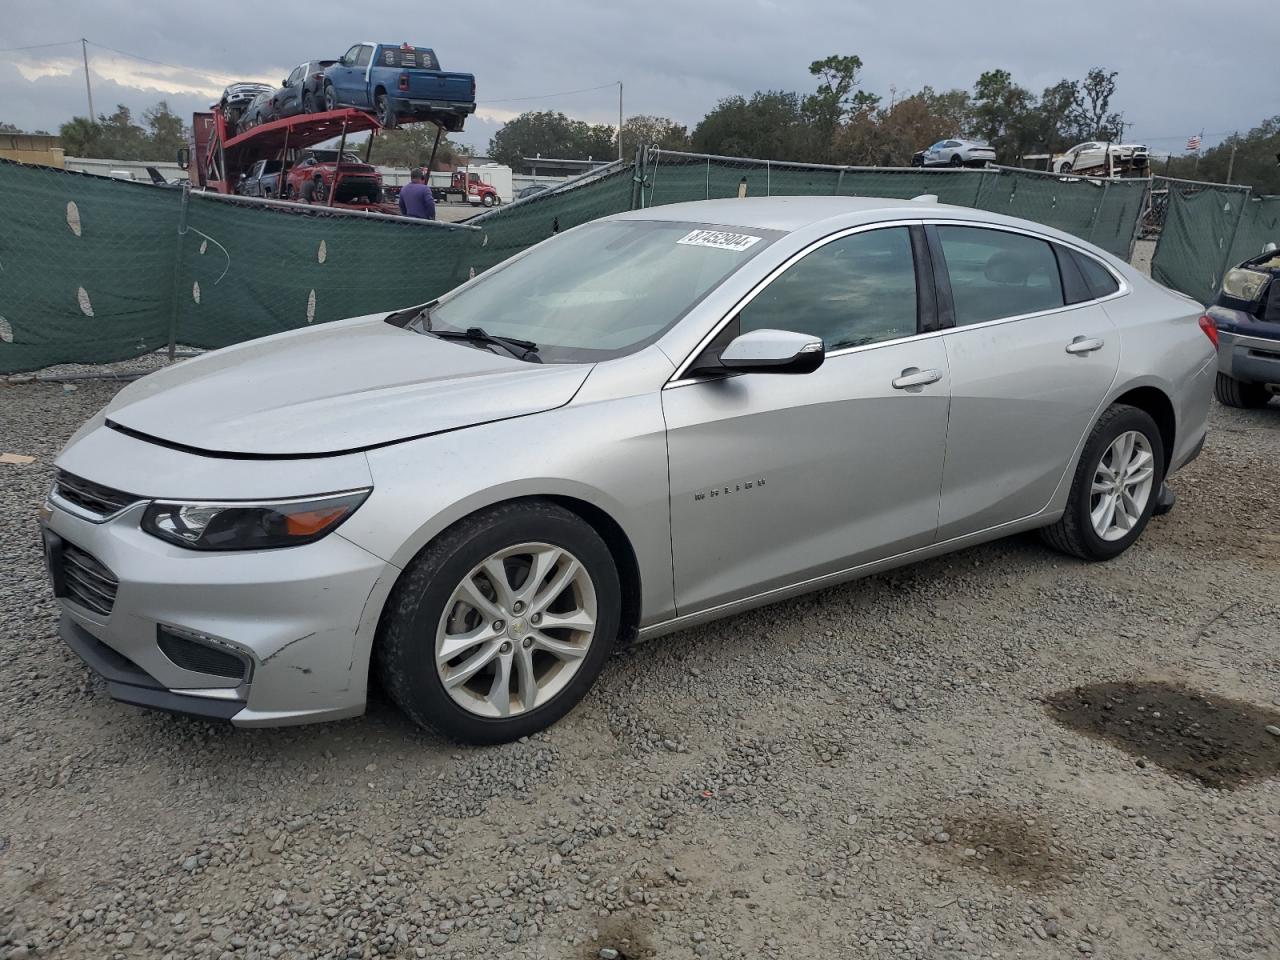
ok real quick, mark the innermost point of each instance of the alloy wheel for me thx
(1122, 485)
(515, 630)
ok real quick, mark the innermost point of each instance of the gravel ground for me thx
(1001, 753)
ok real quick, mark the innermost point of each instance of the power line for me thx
(134, 56)
(547, 96)
(39, 46)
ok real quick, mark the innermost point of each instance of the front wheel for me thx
(487, 200)
(1115, 486)
(330, 97)
(308, 103)
(501, 625)
(1234, 393)
(1065, 167)
(957, 161)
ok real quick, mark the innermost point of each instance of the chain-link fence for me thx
(1105, 212)
(94, 270)
(1208, 228)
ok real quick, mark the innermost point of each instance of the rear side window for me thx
(1099, 278)
(995, 274)
(857, 290)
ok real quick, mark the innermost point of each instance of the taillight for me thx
(473, 88)
(404, 81)
(1210, 330)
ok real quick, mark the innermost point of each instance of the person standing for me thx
(415, 197)
(313, 190)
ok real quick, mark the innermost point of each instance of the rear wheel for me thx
(386, 112)
(501, 625)
(1234, 393)
(1115, 486)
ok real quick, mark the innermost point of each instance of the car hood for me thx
(339, 387)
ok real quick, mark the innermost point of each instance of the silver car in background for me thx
(644, 423)
(959, 153)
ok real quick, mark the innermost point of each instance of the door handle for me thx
(915, 377)
(1085, 344)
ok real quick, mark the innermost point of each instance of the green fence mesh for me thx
(1198, 237)
(86, 267)
(246, 271)
(94, 270)
(1105, 212)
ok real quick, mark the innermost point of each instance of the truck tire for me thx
(1234, 393)
(462, 694)
(487, 200)
(386, 112)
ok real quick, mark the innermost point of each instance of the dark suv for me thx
(1245, 319)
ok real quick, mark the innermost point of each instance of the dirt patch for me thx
(627, 937)
(1009, 849)
(1222, 743)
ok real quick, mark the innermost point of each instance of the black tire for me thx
(487, 200)
(1066, 167)
(330, 97)
(404, 653)
(1073, 533)
(1234, 393)
(291, 192)
(386, 112)
(957, 160)
(308, 103)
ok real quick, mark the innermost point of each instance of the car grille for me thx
(93, 498)
(87, 580)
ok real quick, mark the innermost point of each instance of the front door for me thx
(779, 478)
(1028, 374)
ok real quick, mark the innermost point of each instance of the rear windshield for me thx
(422, 57)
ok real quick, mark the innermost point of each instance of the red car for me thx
(357, 181)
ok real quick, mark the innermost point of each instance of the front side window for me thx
(996, 274)
(349, 58)
(601, 290)
(362, 56)
(851, 292)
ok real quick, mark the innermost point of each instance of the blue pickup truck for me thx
(400, 83)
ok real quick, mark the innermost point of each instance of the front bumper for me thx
(1248, 359)
(302, 620)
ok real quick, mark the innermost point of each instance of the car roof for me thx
(788, 214)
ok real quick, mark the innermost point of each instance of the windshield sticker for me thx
(718, 239)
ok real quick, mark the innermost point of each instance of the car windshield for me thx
(600, 291)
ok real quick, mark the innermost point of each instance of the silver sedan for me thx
(647, 422)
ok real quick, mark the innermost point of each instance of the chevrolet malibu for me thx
(647, 422)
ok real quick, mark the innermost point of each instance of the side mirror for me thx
(773, 351)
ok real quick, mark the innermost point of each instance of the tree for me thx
(769, 126)
(81, 137)
(1256, 162)
(410, 146)
(550, 134)
(662, 132)
(890, 135)
(1056, 123)
(9, 128)
(1097, 121)
(166, 132)
(1003, 114)
(834, 102)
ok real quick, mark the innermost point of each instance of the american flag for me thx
(1193, 144)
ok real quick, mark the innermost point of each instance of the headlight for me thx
(238, 525)
(1241, 284)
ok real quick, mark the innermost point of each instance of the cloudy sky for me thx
(1184, 67)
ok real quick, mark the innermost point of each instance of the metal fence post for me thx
(839, 182)
(1143, 201)
(1097, 211)
(982, 182)
(1231, 242)
(177, 272)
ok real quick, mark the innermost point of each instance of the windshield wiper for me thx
(520, 349)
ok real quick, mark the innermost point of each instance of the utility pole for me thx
(1231, 163)
(84, 51)
(619, 119)
(1199, 147)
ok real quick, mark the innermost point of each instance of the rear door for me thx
(1029, 372)
(778, 478)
